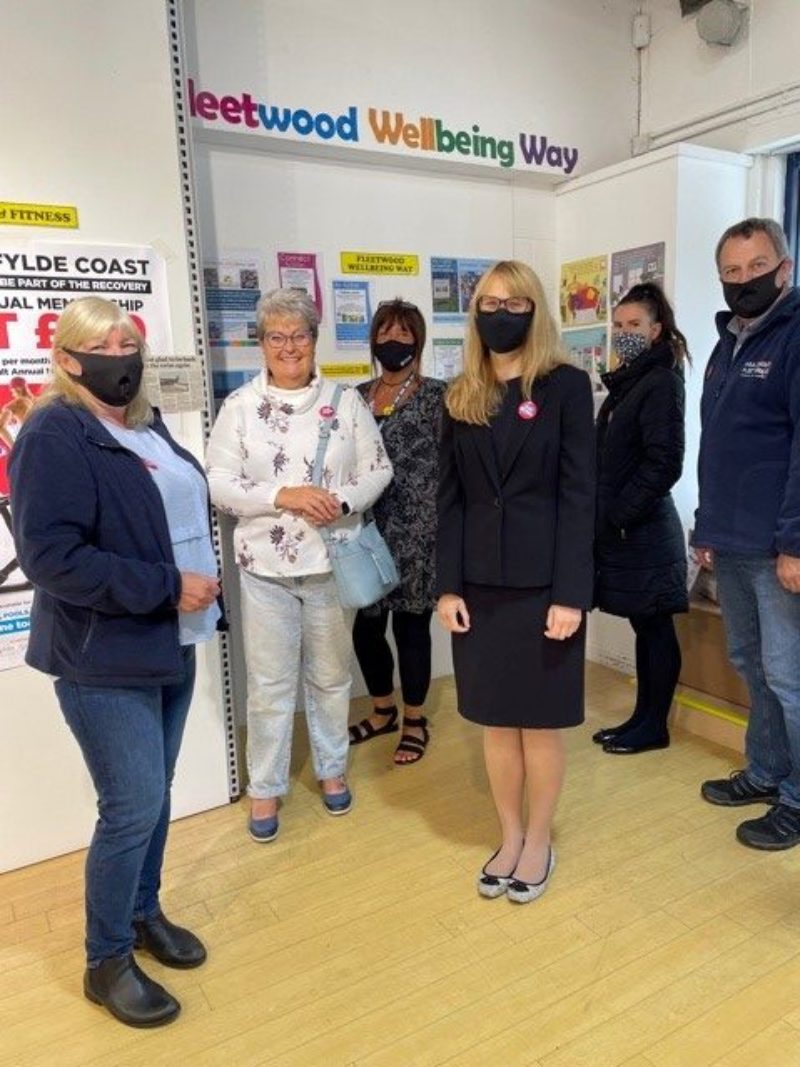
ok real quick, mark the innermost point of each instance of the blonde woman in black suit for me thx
(514, 559)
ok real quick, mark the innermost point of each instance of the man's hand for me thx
(788, 569)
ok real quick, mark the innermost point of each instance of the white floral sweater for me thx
(265, 439)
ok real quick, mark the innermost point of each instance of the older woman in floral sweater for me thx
(260, 459)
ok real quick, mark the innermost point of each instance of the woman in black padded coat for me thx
(640, 549)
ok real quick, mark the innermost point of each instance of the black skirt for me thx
(507, 672)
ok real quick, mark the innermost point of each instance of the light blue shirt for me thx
(185, 498)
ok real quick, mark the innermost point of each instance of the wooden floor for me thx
(361, 940)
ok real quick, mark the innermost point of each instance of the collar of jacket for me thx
(783, 309)
(622, 377)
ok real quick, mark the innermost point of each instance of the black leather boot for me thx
(170, 944)
(133, 998)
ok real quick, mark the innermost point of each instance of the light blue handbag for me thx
(362, 566)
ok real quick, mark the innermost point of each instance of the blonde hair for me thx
(475, 395)
(82, 321)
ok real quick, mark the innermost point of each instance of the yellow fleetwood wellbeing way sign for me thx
(346, 370)
(379, 263)
(61, 215)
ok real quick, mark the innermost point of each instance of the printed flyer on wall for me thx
(583, 293)
(22, 378)
(453, 282)
(232, 290)
(351, 313)
(633, 266)
(299, 270)
(37, 281)
(448, 357)
(175, 383)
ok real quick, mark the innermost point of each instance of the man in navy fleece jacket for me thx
(748, 520)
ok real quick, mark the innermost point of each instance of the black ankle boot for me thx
(133, 998)
(170, 944)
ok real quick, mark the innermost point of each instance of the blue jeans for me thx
(130, 738)
(762, 624)
(289, 623)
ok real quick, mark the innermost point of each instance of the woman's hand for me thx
(198, 591)
(453, 614)
(310, 502)
(562, 622)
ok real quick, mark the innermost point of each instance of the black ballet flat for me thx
(608, 733)
(621, 748)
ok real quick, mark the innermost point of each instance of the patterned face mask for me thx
(629, 345)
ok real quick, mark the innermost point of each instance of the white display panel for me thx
(95, 128)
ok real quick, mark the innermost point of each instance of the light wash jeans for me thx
(289, 623)
(130, 738)
(762, 624)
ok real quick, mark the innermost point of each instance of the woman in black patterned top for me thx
(408, 409)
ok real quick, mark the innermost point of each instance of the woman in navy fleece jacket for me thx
(110, 522)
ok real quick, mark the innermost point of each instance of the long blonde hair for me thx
(84, 320)
(475, 395)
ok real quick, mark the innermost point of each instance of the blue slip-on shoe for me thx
(263, 830)
(338, 803)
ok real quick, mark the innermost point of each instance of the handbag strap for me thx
(322, 448)
(324, 436)
(325, 429)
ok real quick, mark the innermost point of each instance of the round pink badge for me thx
(528, 410)
(327, 412)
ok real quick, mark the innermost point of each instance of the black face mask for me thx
(753, 298)
(394, 355)
(114, 380)
(502, 331)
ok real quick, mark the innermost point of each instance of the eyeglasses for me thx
(517, 305)
(301, 339)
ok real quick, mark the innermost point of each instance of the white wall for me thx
(270, 202)
(685, 196)
(265, 194)
(564, 70)
(89, 121)
(687, 83)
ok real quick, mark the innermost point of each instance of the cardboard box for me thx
(705, 659)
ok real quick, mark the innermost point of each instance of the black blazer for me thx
(531, 523)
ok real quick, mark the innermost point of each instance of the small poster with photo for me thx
(588, 349)
(635, 266)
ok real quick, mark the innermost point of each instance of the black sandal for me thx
(365, 731)
(415, 745)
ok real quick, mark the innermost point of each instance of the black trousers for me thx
(658, 664)
(412, 635)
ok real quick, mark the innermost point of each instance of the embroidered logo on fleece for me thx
(756, 368)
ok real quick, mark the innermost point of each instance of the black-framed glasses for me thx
(517, 305)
